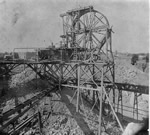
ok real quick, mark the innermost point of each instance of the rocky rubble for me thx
(127, 73)
(64, 120)
(23, 77)
(25, 83)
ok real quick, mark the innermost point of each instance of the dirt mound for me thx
(23, 77)
(25, 83)
(127, 73)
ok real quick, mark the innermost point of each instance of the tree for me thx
(147, 58)
(134, 59)
(144, 65)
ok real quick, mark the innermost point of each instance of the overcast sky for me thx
(35, 23)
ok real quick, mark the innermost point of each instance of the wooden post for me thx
(135, 105)
(36, 66)
(60, 76)
(40, 122)
(37, 55)
(94, 86)
(78, 89)
(44, 69)
(107, 38)
(100, 107)
(113, 86)
(120, 100)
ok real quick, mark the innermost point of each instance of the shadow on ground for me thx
(77, 116)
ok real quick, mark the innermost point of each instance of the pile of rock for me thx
(25, 83)
(63, 126)
(127, 73)
(23, 77)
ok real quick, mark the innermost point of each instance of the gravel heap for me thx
(23, 77)
(25, 83)
(127, 73)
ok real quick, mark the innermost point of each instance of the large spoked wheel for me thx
(91, 30)
(86, 30)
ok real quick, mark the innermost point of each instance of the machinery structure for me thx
(84, 62)
(87, 32)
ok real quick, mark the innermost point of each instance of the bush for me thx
(134, 59)
(147, 58)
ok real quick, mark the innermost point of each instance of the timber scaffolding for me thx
(84, 63)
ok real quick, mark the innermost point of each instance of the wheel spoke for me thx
(91, 19)
(80, 39)
(99, 32)
(100, 19)
(87, 20)
(104, 27)
(96, 39)
(82, 22)
(95, 42)
(95, 23)
(85, 41)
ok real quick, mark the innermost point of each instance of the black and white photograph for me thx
(74, 67)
